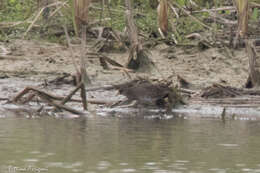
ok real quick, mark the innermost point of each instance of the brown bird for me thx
(148, 94)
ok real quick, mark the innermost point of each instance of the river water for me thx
(99, 144)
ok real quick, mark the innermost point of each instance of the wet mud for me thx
(32, 63)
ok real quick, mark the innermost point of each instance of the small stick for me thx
(68, 97)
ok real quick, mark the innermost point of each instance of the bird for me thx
(148, 94)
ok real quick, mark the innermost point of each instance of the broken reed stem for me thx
(83, 73)
(68, 97)
(69, 45)
(84, 96)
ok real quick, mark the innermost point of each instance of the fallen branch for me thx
(47, 97)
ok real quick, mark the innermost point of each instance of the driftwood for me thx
(46, 97)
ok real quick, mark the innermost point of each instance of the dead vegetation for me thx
(144, 92)
(141, 92)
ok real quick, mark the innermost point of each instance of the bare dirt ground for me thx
(32, 62)
(40, 60)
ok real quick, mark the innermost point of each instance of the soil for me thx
(33, 62)
(43, 60)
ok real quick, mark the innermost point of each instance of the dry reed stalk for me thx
(81, 8)
(242, 9)
(162, 12)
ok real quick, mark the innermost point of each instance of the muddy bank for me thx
(207, 109)
(39, 58)
(33, 62)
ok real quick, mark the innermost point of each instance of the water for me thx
(117, 145)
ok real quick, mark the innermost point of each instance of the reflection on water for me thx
(118, 145)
